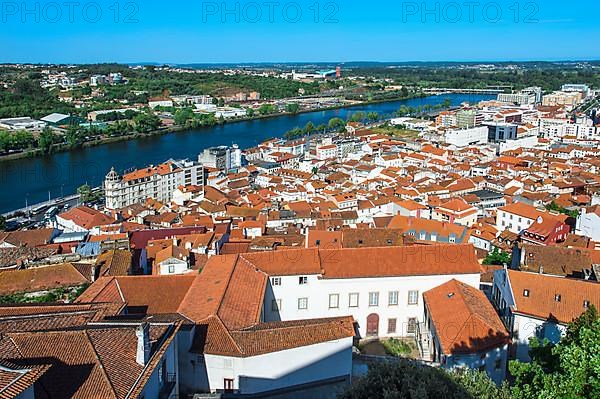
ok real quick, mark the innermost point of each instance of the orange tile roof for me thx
(542, 303)
(464, 319)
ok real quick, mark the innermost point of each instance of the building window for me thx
(498, 364)
(452, 240)
(392, 326)
(334, 301)
(171, 269)
(276, 281)
(276, 305)
(302, 303)
(393, 298)
(412, 325)
(303, 280)
(353, 300)
(413, 297)
(373, 298)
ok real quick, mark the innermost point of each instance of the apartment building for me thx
(156, 182)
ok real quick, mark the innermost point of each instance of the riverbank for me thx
(33, 178)
(62, 147)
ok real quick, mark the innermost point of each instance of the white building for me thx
(156, 182)
(328, 151)
(22, 124)
(160, 102)
(517, 98)
(588, 223)
(537, 305)
(466, 137)
(381, 288)
(516, 217)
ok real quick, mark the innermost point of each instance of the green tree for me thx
(183, 117)
(309, 128)
(479, 385)
(569, 369)
(373, 116)
(250, 112)
(292, 108)
(336, 124)
(411, 380)
(86, 194)
(497, 257)
(74, 137)
(46, 139)
(146, 122)
(358, 117)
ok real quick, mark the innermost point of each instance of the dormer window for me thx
(557, 297)
(526, 293)
(318, 242)
(586, 304)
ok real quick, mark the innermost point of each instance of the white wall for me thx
(588, 224)
(281, 369)
(514, 223)
(528, 327)
(318, 290)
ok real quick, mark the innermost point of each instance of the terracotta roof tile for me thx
(542, 300)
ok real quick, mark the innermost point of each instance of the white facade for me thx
(512, 222)
(466, 137)
(398, 298)
(173, 266)
(157, 185)
(588, 224)
(281, 369)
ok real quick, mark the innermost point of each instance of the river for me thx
(33, 179)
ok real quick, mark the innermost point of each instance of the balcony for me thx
(168, 386)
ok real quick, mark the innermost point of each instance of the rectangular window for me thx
(276, 281)
(302, 303)
(373, 298)
(393, 298)
(276, 305)
(412, 325)
(303, 280)
(334, 301)
(413, 297)
(171, 269)
(392, 326)
(353, 300)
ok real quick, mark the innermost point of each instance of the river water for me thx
(61, 173)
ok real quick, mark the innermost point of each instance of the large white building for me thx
(466, 137)
(517, 98)
(156, 182)
(381, 288)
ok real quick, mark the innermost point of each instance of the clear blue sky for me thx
(178, 31)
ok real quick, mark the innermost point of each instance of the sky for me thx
(229, 31)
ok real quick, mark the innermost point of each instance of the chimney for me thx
(143, 344)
